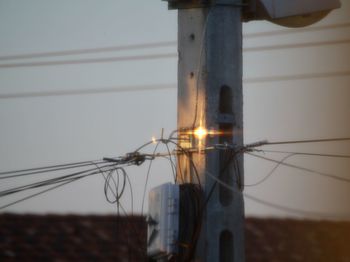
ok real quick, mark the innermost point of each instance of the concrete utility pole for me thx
(210, 96)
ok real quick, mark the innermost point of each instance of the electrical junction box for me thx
(163, 221)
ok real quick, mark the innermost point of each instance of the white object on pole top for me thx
(286, 8)
(289, 13)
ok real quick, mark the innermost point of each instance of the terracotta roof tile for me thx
(111, 238)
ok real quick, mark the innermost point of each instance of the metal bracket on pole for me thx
(187, 4)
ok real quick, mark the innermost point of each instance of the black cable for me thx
(117, 194)
(117, 89)
(270, 79)
(278, 206)
(46, 171)
(187, 153)
(49, 167)
(88, 91)
(342, 179)
(89, 50)
(306, 154)
(270, 173)
(199, 70)
(158, 44)
(37, 194)
(295, 210)
(307, 141)
(89, 60)
(234, 154)
(173, 169)
(131, 193)
(295, 45)
(46, 182)
(147, 177)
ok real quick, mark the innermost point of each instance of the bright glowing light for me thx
(200, 132)
(154, 140)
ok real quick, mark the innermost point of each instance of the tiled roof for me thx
(273, 240)
(72, 238)
(111, 238)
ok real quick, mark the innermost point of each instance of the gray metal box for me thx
(163, 221)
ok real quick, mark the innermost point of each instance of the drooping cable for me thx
(278, 206)
(307, 154)
(16, 174)
(51, 181)
(49, 167)
(270, 173)
(83, 51)
(89, 60)
(147, 177)
(160, 44)
(266, 143)
(39, 193)
(88, 91)
(311, 171)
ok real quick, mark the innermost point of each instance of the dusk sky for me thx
(290, 93)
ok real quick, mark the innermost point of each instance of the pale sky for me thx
(52, 130)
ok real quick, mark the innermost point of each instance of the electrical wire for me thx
(199, 67)
(83, 51)
(47, 167)
(120, 206)
(39, 193)
(50, 181)
(188, 155)
(278, 206)
(340, 139)
(331, 176)
(284, 78)
(172, 164)
(296, 45)
(89, 60)
(15, 174)
(137, 88)
(159, 44)
(147, 177)
(166, 55)
(117, 195)
(89, 91)
(306, 154)
(270, 173)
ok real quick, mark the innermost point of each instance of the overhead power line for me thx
(35, 169)
(137, 88)
(275, 205)
(38, 193)
(153, 45)
(340, 139)
(342, 179)
(281, 78)
(90, 60)
(139, 57)
(296, 45)
(307, 154)
(89, 50)
(101, 90)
